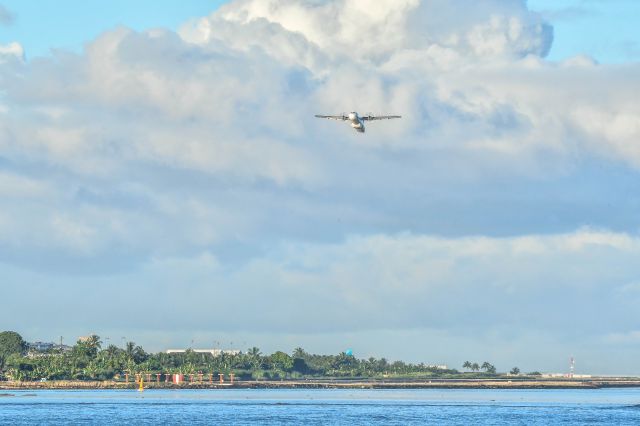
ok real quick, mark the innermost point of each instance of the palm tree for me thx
(15, 374)
(299, 353)
(111, 351)
(91, 370)
(130, 347)
(255, 358)
(467, 365)
(475, 367)
(383, 364)
(488, 367)
(94, 342)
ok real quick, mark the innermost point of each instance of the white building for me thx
(214, 352)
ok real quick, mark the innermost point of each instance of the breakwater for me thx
(335, 384)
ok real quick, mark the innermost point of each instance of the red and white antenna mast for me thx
(572, 366)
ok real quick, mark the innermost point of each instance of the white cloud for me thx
(12, 185)
(449, 70)
(371, 30)
(230, 101)
(407, 281)
(11, 51)
(463, 291)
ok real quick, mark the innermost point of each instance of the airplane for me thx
(357, 122)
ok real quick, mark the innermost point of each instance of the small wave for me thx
(618, 407)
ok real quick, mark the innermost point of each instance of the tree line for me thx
(89, 360)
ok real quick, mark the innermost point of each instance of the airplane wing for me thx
(334, 117)
(379, 117)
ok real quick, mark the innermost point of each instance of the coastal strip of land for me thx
(595, 383)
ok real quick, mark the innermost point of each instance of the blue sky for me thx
(41, 25)
(180, 172)
(605, 29)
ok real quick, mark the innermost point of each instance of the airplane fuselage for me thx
(356, 122)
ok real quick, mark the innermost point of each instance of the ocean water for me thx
(323, 407)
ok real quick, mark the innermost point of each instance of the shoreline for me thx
(332, 384)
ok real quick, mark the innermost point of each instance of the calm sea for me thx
(321, 407)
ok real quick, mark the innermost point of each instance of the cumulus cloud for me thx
(428, 58)
(375, 29)
(229, 102)
(467, 288)
(190, 163)
(11, 51)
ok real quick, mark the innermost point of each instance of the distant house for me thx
(40, 346)
(566, 376)
(214, 352)
(36, 348)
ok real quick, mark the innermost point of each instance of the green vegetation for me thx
(11, 343)
(475, 367)
(88, 360)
